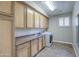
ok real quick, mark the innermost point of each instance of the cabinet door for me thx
(37, 23)
(23, 50)
(5, 38)
(5, 7)
(47, 22)
(30, 18)
(44, 41)
(45, 25)
(19, 15)
(41, 21)
(40, 43)
(34, 47)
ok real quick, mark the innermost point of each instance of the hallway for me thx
(58, 50)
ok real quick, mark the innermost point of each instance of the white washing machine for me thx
(49, 38)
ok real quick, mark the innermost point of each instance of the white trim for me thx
(63, 42)
(75, 49)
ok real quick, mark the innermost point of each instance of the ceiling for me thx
(61, 7)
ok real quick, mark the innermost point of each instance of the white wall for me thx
(60, 34)
(74, 17)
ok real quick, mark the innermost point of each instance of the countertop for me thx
(26, 38)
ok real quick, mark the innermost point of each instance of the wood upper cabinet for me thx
(43, 22)
(20, 15)
(6, 37)
(23, 50)
(45, 25)
(34, 47)
(30, 18)
(6, 7)
(37, 20)
(40, 43)
(26, 17)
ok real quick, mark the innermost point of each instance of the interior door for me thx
(77, 30)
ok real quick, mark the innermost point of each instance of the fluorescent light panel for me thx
(52, 8)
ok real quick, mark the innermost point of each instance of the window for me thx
(64, 21)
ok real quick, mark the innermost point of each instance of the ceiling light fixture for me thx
(50, 6)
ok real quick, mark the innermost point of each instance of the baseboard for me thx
(75, 49)
(63, 42)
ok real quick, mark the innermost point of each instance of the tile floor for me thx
(57, 50)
